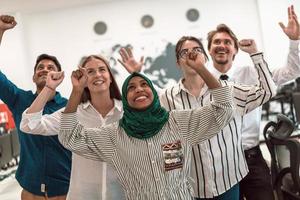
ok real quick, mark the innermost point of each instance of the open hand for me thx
(292, 30)
(129, 62)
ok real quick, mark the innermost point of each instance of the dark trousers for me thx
(257, 184)
(232, 194)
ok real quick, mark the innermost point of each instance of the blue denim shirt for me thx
(44, 163)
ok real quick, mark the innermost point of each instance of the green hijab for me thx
(142, 124)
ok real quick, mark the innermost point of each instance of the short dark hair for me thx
(113, 88)
(185, 38)
(47, 57)
(222, 28)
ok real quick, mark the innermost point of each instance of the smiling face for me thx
(99, 79)
(41, 71)
(222, 49)
(139, 93)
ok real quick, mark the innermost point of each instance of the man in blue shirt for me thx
(45, 165)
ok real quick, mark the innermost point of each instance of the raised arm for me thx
(291, 70)
(79, 82)
(6, 22)
(249, 97)
(128, 61)
(7, 88)
(203, 123)
(292, 30)
(197, 62)
(54, 79)
(33, 121)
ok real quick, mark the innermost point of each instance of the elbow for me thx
(24, 127)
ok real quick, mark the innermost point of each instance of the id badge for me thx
(173, 155)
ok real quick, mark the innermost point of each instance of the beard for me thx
(221, 62)
(41, 84)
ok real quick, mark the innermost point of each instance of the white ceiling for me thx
(28, 6)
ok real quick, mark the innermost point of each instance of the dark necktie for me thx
(224, 77)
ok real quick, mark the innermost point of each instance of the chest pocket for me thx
(173, 155)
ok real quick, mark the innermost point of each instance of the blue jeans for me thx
(232, 194)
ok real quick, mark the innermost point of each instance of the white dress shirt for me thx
(90, 179)
(219, 163)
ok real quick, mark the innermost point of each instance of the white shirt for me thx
(156, 168)
(251, 123)
(219, 163)
(90, 179)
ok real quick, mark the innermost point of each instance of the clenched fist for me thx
(7, 22)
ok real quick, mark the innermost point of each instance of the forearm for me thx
(74, 101)
(209, 79)
(266, 83)
(37, 123)
(249, 97)
(40, 101)
(291, 69)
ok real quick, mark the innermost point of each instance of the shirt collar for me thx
(57, 98)
(117, 105)
(217, 73)
(180, 87)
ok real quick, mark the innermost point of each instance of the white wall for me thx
(274, 40)
(68, 33)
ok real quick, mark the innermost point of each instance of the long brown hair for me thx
(113, 88)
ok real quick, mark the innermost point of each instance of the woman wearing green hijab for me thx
(149, 147)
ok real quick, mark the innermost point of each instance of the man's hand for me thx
(7, 22)
(248, 46)
(54, 79)
(292, 30)
(129, 62)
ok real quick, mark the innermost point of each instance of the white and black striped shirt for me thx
(141, 164)
(219, 163)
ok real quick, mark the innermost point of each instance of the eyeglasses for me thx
(184, 52)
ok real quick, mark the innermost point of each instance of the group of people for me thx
(198, 139)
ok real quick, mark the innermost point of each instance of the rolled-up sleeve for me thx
(39, 124)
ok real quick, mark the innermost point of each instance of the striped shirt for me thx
(143, 166)
(219, 163)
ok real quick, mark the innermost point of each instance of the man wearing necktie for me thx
(223, 46)
(224, 77)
